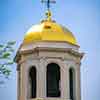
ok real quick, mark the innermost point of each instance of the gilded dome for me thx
(49, 31)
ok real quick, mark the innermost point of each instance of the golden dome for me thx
(49, 31)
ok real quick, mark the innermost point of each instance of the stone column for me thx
(64, 81)
(23, 82)
(18, 84)
(78, 89)
(67, 84)
(41, 78)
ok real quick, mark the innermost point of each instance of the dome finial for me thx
(48, 13)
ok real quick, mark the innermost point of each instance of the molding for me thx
(39, 49)
(46, 41)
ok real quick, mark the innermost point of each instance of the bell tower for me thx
(48, 63)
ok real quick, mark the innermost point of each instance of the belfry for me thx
(48, 62)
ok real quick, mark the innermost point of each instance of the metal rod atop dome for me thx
(48, 13)
(48, 2)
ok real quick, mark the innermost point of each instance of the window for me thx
(72, 83)
(32, 77)
(53, 79)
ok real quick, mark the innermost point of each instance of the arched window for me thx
(72, 83)
(53, 80)
(32, 77)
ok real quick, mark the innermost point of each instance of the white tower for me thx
(48, 63)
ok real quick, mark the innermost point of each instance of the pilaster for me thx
(78, 89)
(23, 93)
(41, 87)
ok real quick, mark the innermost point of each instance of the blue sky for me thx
(82, 17)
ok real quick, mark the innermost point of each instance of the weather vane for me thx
(48, 13)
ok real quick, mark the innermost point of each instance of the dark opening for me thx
(71, 77)
(53, 80)
(32, 75)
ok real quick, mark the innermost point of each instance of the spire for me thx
(48, 13)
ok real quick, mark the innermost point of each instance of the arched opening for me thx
(32, 76)
(53, 80)
(72, 83)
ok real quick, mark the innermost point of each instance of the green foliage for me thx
(1, 46)
(6, 51)
(6, 55)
